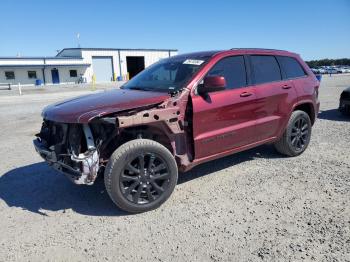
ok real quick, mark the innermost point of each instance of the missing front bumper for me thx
(81, 169)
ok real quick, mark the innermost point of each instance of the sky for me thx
(314, 29)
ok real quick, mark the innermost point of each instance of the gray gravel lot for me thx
(252, 206)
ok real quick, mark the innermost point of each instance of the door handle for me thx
(286, 87)
(245, 94)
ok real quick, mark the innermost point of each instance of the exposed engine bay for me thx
(81, 150)
(71, 149)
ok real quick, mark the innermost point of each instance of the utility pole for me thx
(78, 39)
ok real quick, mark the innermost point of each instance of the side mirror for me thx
(212, 84)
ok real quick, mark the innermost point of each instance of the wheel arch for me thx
(307, 107)
(152, 132)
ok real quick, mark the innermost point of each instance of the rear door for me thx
(293, 71)
(224, 120)
(275, 96)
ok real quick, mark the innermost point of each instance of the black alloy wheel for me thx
(300, 134)
(144, 179)
(141, 175)
(296, 136)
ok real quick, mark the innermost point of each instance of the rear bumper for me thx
(86, 165)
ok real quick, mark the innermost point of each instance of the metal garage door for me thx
(103, 68)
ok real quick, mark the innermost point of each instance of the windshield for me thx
(168, 75)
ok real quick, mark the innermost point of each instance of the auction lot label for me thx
(193, 62)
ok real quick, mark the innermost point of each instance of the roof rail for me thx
(252, 48)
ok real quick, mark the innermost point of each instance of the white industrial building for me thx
(73, 65)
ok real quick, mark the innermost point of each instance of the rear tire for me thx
(296, 137)
(140, 175)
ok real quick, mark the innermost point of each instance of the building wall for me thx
(64, 74)
(21, 66)
(40, 61)
(87, 58)
(21, 75)
(62, 61)
(151, 57)
(73, 59)
(19, 61)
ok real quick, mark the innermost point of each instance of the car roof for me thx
(206, 54)
(197, 55)
(260, 51)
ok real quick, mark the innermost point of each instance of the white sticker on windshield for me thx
(193, 62)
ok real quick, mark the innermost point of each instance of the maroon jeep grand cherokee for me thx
(178, 113)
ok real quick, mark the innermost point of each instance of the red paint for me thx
(214, 81)
(252, 120)
(83, 109)
(224, 121)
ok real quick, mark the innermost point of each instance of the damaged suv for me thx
(176, 114)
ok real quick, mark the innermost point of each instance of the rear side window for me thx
(233, 69)
(290, 67)
(265, 68)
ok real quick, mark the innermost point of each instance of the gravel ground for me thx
(252, 206)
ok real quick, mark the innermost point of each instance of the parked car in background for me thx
(344, 102)
(180, 112)
(315, 70)
(331, 70)
(344, 70)
(339, 70)
(322, 70)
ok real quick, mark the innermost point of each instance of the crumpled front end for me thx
(70, 149)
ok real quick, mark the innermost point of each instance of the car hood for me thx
(84, 108)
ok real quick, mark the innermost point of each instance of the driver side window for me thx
(233, 69)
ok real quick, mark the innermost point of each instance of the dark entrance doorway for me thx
(55, 76)
(135, 64)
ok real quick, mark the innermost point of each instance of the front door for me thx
(225, 120)
(55, 76)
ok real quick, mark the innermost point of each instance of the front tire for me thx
(140, 175)
(343, 109)
(296, 137)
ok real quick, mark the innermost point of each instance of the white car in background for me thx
(322, 70)
(344, 70)
(331, 70)
(315, 71)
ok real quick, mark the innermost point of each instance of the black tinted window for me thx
(266, 69)
(73, 73)
(291, 67)
(233, 69)
(9, 75)
(32, 74)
